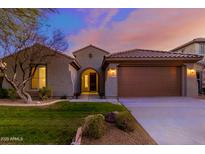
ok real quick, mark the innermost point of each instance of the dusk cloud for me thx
(98, 17)
(161, 29)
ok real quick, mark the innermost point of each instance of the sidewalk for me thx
(36, 103)
(114, 101)
(50, 102)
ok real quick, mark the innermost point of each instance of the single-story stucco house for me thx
(133, 73)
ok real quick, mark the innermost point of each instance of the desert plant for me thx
(94, 126)
(12, 93)
(125, 121)
(44, 93)
(8, 93)
(63, 97)
(102, 95)
(111, 117)
(3, 93)
(76, 94)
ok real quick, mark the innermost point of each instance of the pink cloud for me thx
(161, 29)
(93, 15)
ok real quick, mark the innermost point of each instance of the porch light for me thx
(112, 72)
(191, 71)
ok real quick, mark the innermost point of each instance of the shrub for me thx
(12, 93)
(102, 95)
(94, 126)
(8, 93)
(76, 94)
(125, 121)
(111, 117)
(3, 93)
(44, 93)
(63, 97)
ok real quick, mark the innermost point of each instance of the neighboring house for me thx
(196, 46)
(133, 73)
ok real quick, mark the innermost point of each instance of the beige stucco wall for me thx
(94, 62)
(111, 83)
(60, 76)
(190, 49)
(74, 74)
(191, 86)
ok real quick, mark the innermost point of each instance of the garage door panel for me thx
(149, 81)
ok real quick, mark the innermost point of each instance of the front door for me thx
(93, 82)
(89, 81)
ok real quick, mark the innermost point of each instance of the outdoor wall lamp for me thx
(112, 72)
(191, 71)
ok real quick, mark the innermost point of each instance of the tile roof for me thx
(74, 62)
(143, 53)
(201, 62)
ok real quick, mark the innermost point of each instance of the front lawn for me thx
(54, 124)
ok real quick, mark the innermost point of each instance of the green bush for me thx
(125, 121)
(94, 126)
(12, 93)
(63, 97)
(111, 117)
(8, 93)
(3, 93)
(44, 93)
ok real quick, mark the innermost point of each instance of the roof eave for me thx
(152, 58)
(106, 61)
(79, 50)
(75, 64)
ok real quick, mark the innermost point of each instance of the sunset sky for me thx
(121, 29)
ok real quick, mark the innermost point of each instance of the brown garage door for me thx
(149, 81)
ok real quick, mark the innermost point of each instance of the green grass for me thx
(54, 124)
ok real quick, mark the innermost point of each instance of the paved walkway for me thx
(36, 103)
(170, 120)
(33, 104)
(114, 101)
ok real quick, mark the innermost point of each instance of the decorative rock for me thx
(111, 117)
(78, 137)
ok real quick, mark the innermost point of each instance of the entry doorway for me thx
(89, 81)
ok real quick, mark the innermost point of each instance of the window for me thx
(39, 78)
(202, 48)
(86, 81)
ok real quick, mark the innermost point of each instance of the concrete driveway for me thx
(170, 120)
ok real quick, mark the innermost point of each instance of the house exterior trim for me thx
(79, 50)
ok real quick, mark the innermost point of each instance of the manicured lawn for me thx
(55, 124)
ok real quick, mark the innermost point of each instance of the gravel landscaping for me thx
(115, 136)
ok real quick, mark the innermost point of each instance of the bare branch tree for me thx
(24, 53)
(13, 20)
